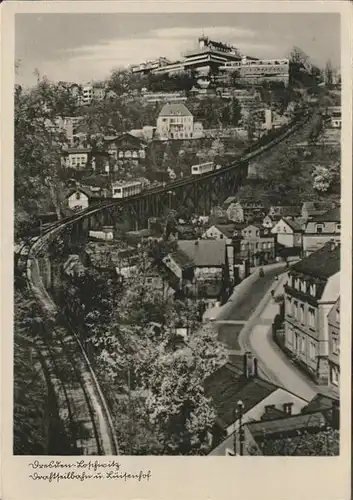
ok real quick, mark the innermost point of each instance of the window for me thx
(290, 336)
(335, 376)
(312, 351)
(149, 280)
(337, 316)
(335, 346)
(302, 316)
(313, 290)
(289, 306)
(338, 227)
(78, 195)
(311, 315)
(303, 286)
(302, 345)
(319, 228)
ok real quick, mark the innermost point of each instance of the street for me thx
(252, 310)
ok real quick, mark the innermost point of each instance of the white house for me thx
(77, 200)
(175, 122)
(289, 232)
(220, 232)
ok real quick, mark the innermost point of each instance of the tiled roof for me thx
(284, 210)
(316, 207)
(263, 429)
(82, 189)
(319, 403)
(323, 263)
(228, 385)
(333, 215)
(175, 109)
(294, 225)
(182, 259)
(207, 253)
(226, 229)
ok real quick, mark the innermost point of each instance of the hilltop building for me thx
(252, 71)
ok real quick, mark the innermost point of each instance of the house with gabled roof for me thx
(314, 433)
(220, 232)
(78, 198)
(201, 266)
(175, 121)
(236, 382)
(321, 229)
(288, 232)
(126, 148)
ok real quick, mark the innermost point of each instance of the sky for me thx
(84, 47)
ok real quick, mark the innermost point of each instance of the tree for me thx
(328, 73)
(324, 178)
(298, 57)
(38, 145)
(153, 379)
(30, 400)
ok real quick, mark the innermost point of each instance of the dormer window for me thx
(313, 290)
(296, 284)
(319, 228)
(303, 286)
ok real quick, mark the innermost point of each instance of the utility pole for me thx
(235, 433)
(129, 408)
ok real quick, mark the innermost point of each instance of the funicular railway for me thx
(80, 401)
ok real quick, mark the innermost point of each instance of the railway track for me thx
(81, 404)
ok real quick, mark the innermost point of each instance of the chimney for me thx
(333, 244)
(255, 367)
(248, 365)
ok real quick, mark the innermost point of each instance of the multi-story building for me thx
(253, 71)
(312, 289)
(126, 148)
(92, 92)
(257, 245)
(202, 267)
(175, 122)
(245, 211)
(334, 344)
(149, 66)
(205, 59)
(321, 229)
(77, 157)
(69, 125)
